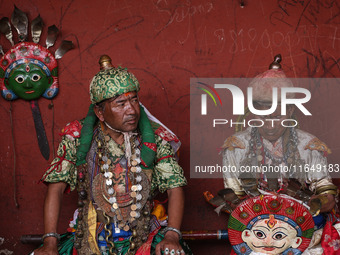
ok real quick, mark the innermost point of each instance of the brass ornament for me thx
(276, 63)
(105, 62)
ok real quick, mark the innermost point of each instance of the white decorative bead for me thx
(139, 187)
(138, 178)
(110, 191)
(105, 166)
(138, 169)
(139, 197)
(108, 175)
(108, 182)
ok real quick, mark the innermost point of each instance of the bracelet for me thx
(174, 230)
(56, 235)
(327, 189)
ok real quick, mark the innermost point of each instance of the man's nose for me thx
(130, 109)
(269, 125)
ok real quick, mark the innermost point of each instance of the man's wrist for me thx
(174, 230)
(55, 236)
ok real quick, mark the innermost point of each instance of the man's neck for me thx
(116, 136)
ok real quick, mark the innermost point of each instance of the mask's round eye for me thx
(279, 236)
(259, 234)
(19, 79)
(36, 77)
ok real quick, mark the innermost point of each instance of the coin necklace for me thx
(136, 188)
(263, 151)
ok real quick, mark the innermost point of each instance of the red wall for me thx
(164, 43)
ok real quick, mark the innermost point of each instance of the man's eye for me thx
(259, 234)
(279, 236)
(19, 79)
(36, 77)
(119, 104)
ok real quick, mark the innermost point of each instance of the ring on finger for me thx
(182, 251)
(172, 252)
(166, 251)
(178, 252)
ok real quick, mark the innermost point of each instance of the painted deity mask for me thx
(271, 236)
(28, 71)
(270, 224)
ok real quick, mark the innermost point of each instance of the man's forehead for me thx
(125, 96)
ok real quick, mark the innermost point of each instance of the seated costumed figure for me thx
(117, 158)
(270, 145)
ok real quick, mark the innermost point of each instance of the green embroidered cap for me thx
(112, 82)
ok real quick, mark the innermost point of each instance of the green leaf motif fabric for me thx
(112, 82)
(167, 173)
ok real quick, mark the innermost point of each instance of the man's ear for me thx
(99, 112)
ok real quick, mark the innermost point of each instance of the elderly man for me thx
(118, 161)
(273, 144)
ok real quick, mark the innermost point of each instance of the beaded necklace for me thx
(110, 196)
(260, 152)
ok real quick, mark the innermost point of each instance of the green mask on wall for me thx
(28, 71)
(28, 81)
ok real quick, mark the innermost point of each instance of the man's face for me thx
(272, 129)
(121, 113)
(271, 240)
(28, 81)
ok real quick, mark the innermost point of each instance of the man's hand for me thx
(170, 242)
(50, 247)
(51, 215)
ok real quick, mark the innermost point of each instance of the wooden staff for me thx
(187, 235)
(205, 235)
